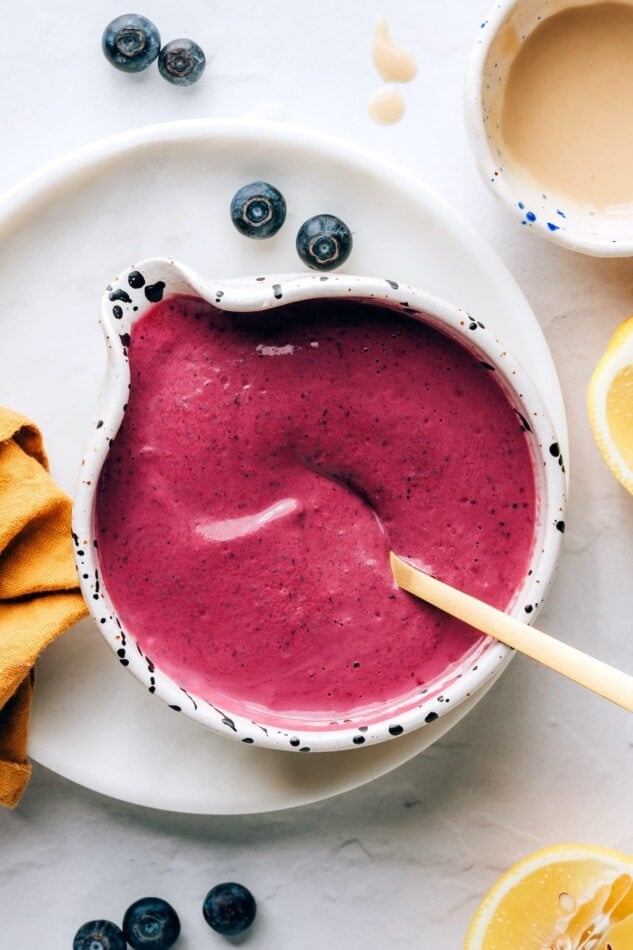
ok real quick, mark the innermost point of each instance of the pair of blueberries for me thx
(152, 924)
(132, 42)
(258, 210)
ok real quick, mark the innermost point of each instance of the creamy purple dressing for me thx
(266, 465)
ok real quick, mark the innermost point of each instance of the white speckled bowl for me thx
(574, 225)
(129, 298)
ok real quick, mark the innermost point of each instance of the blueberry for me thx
(258, 210)
(151, 922)
(181, 62)
(324, 242)
(99, 935)
(229, 908)
(130, 42)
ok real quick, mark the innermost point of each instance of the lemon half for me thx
(610, 404)
(569, 897)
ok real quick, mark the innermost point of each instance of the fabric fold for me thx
(39, 595)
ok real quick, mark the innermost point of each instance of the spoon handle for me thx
(595, 675)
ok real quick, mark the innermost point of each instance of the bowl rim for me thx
(122, 306)
(488, 166)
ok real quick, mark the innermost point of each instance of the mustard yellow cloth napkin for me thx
(39, 597)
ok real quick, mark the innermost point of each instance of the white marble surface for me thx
(403, 861)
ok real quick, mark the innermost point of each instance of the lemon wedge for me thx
(610, 404)
(569, 897)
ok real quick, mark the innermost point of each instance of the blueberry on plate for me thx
(258, 210)
(99, 935)
(181, 62)
(130, 42)
(324, 242)
(229, 908)
(151, 922)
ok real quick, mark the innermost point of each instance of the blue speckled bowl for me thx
(557, 218)
(126, 300)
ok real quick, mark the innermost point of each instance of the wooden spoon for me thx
(578, 666)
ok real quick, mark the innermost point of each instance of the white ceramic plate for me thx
(164, 191)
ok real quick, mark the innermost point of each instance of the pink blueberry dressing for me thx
(266, 465)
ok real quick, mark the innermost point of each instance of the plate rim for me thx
(43, 181)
